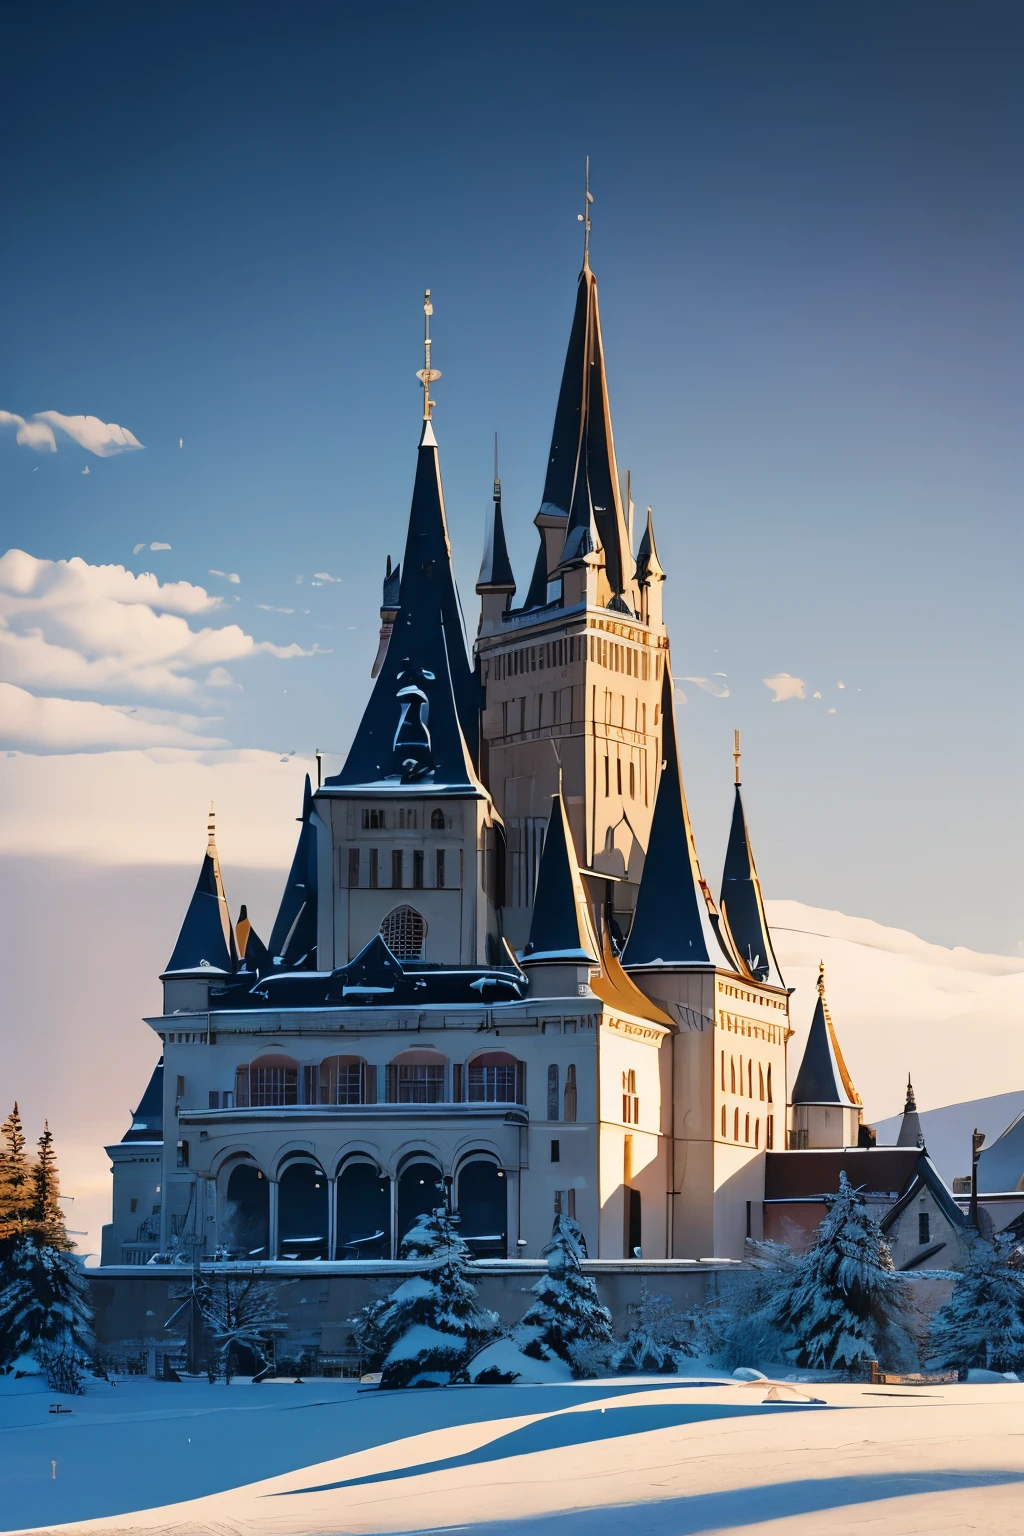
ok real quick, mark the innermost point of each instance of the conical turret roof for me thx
(148, 1120)
(910, 1133)
(742, 904)
(421, 725)
(823, 1077)
(582, 480)
(676, 922)
(648, 566)
(496, 567)
(206, 940)
(293, 937)
(560, 928)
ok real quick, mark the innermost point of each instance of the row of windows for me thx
(728, 990)
(629, 779)
(420, 1078)
(407, 872)
(744, 1084)
(559, 653)
(769, 1128)
(401, 818)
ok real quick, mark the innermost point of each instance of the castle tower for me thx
(741, 901)
(911, 1133)
(205, 949)
(293, 938)
(572, 679)
(825, 1107)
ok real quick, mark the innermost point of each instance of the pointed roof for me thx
(495, 568)
(582, 481)
(741, 901)
(252, 952)
(613, 986)
(676, 922)
(148, 1120)
(206, 940)
(293, 937)
(648, 567)
(560, 928)
(1001, 1165)
(421, 725)
(823, 1077)
(911, 1133)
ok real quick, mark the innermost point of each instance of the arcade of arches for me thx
(361, 1213)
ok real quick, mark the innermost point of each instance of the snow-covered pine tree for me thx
(240, 1311)
(46, 1218)
(567, 1319)
(747, 1331)
(982, 1323)
(844, 1304)
(433, 1319)
(45, 1311)
(649, 1344)
(15, 1183)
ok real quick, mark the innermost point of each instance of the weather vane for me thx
(584, 217)
(426, 374)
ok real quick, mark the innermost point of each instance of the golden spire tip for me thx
(736, 753)
(426, 374)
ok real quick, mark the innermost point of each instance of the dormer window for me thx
(437, 820)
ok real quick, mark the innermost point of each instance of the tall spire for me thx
(495, 568)
(293, 938)
(582, 480)
(560, 929)
(911, 1132)
(741, 901)
(427, 375)
(676, 922)
(422, 722)
(823, 1077)
(206, 941)
(648, 567)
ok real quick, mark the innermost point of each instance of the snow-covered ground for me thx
(666, 1457)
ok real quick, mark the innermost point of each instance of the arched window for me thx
(492, 1078)
(723, 1119)
(343, 1080)
(417, 1077)
(569, 1094)
(364, 1212)
(403, 931)
(302, 1211)
(741, 1077)
(632, 781)
(732, 1074)
(746, 1128)
(273, 1080)
(437, 820)
(483, 1206)
(245, 1222)
(760, 1080)
(722, 1053)
(750, 1079)
(735, 1125)
(757, 1133)
(419, 1191)
(769, 1082)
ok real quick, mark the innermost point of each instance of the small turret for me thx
(825, 1106)
(911, 1133)
(562, 939)
(252, 952)
(293, 938)
(205, 951)
(496, 584)
(741, 900)
(650, 575)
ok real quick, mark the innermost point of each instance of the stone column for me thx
(272, 1238)
(332, 1218)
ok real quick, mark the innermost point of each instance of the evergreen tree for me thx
(240, 1311)
(843, 1303)
(45, 1310)
(567, 1319)
(650, 1342)
(15, 1183)
(982, 1323)
(433, 1319)
(46, 1217)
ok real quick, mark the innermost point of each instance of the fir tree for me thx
(15, 1183)
(45, 1310)
(240, 1311)
(843, 1303)
(433, 1318)
(982, 1323)
(650, 1342)
(567, 1319)
(45, 1215)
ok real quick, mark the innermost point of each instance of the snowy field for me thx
(665, 1457)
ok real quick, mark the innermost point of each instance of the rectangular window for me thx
(373, 821)
(182, 1154)
(270, 1087)
(421, 1085)
(607, 781)
(350, 1084)
(632, 781)
(556, 1152)
(552, 1092)
(214, 1098)
(492, 1085)
(227, 1099)
(439, 881)
(396, 868)
(769, 1134)
(134, 1204)
(242, 1087)
(353, 869)
(923, 1227)
(630, 1102)
(311, 1085)
(179, 1089)
(374, 868)
(417, 869)
(569, 1095)
(618, 775)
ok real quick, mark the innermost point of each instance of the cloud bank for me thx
(785, 687)
(81, 725)
(103, 438)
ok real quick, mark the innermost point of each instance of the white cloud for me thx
(840, 685)
(231, 576)
(269, 608)
(135, 551)
(716, 685)
(784, 687)
(831, 711)
(321, 578)
(816, 695)
(30, 724)
(159, 546)
(66, 625)
(220, 677)
(102, 438)
(85, 471)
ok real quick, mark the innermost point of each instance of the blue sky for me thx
(808, 238)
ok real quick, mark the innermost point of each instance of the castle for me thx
(497, 968)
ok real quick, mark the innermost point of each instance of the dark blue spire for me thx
(148, 1120)
(496, 567)
(675, 922)
(422, 723)
(823, 1078)
(741, 902)
(252, 952)
(560, 928)
(293, 937)
(206, 940)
